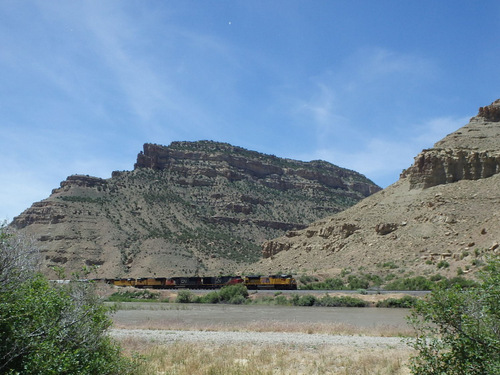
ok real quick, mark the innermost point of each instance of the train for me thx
(253, 282)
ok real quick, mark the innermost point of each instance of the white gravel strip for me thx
(223, 337)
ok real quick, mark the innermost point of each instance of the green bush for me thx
(411, 283)
(51, 329)
(212, 297)
(456, 281)
(443, 264)
(355, 282)
(306, 279)
(185, 296)
(458, 330)
(403, 302)
(342, 301)
(128, 296)
(233, 293)
(281, 300)
(306, 300)
(238, 300)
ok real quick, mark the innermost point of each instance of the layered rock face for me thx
(471, 153)
(210, 159)
(445, 210)
(189, 208)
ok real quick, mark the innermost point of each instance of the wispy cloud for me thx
(362, 113)
(383, 159)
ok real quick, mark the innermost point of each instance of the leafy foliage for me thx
(327, 301)
(128, 296)
(50, 329)
(403, 302)
(232, 294)
(458, 330)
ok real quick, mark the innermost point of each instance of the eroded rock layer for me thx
(189, 208)
(442, 216)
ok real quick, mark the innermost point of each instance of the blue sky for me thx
(365, 85)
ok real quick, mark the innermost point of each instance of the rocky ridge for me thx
(189, 208)
(470, 153)
(443, 215)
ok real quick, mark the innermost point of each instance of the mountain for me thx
(442, 216)
(189, 208)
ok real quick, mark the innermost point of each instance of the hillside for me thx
(189, 208)
(442, 216)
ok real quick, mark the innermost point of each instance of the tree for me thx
(50, 328)
(458, 330)
(19, 258)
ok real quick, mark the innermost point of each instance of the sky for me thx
(363, 84)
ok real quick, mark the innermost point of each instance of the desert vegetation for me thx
(50, 328)
(348, 280)
(238, 294)
(183, 358)
(458, 329)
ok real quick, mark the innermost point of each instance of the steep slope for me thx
(442, 215)
(189, 208)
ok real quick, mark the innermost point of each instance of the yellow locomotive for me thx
(270, 282)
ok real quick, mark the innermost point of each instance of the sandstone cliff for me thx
(443, 215)
(192, 207)
(470, 153)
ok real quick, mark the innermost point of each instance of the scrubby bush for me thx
(306, 279)
(46, 328)
(342, 301)
(411, 283)
(403, 302)
(185, 296)
(356, 282)
(306, 300)
(443, 264)
(129, 296)
(281, 300)
(212, 297)
(233, 294)
(458, 330)
(329, 284)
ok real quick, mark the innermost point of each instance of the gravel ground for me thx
(265, 338)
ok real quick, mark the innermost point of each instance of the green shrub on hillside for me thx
(329, 284)
(412, 283)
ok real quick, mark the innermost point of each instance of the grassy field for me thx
(188, 358)
(185, 358)
(193, 358)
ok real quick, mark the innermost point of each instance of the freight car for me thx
(177, 282)
(208, 282)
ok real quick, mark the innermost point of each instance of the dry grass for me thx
(275, 326)
(183, 358)
(188, 358)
